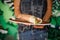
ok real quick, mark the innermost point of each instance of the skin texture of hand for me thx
(25, 22)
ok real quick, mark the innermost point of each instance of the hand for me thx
(38, 19)
(40, 26)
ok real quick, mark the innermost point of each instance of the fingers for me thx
(39, 20)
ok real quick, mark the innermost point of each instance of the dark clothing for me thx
(38, 9)
(34, 7)
(30, 33)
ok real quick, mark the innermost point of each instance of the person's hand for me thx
(28, 24)
(40, 26)
(39, 20)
